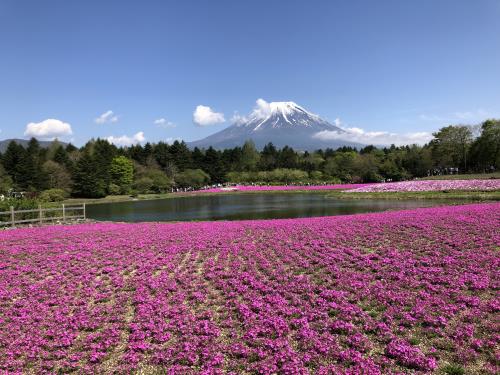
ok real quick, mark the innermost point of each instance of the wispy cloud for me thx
(472, 116)
(48, 129)
(126, 140)
(164, 123)
(431, 118)
(171, 140)
(107, 117)
(359, 135)
(205, 116)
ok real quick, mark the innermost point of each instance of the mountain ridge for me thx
(24, 142)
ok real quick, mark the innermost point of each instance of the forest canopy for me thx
(99, 168)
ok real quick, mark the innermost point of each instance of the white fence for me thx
(41, 215)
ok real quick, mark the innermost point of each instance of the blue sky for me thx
(381, 66)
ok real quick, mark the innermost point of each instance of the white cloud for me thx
(205, 116)
(262, 109)
(48, 129)
(126, 140)
(107, 117)
(374, 137)
(164, 123)
(238, 119)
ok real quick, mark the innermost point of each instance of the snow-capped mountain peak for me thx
(282, 123)
(280, 115)
(286, 108)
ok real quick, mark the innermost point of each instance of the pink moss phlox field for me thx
(282, 188)
(429, 185)
(394, 292)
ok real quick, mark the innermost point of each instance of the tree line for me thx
(100, 168)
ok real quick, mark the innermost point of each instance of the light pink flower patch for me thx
(393, 292)
(429, 185)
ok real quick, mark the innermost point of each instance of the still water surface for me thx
(245, 206)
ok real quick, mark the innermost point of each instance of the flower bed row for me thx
(281, 188)
(429, 185)
(394, 292)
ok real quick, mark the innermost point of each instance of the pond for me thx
(240, 206)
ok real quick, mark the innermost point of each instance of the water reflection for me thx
(244, 206)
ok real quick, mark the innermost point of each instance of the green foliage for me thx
(53, 195)
(276, 176)
(192, 178)
(58, 176)
(161, 182)
(143, 185)
(151, 180)
(5, 181)
(114, 189)
(18, 204)
(453, 369)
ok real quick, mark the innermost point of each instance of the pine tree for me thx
(87, 182)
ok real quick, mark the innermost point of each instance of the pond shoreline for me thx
(339, 194)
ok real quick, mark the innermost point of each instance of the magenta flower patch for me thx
(394, 292)
(282, 188)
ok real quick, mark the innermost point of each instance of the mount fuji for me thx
(283, 124)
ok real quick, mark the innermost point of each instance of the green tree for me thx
(366, 168)
(57, 176)
(250, 157)
(87, 182)
(122, 173)
(341, 165)
(417, 160)
(23, 166)
(268, 158)
(213, 165)
(181, 155)
(485, 151)
(12, 158)
(61, 157)
(450, 146)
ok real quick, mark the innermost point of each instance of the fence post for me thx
(84, 213)
(64, 214)
(40, 213)
(12, 216)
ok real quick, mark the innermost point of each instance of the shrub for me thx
(53, 195)
(143, 185)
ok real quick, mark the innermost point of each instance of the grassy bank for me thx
(117, 198)
(477, 196)
(477, 176)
